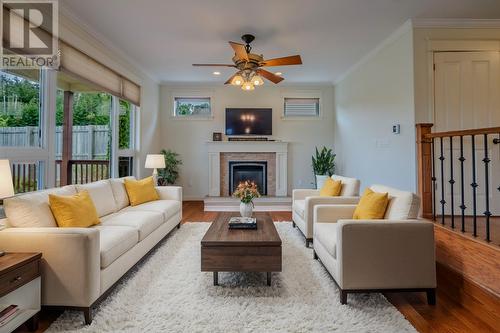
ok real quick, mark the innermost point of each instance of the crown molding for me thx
(407, 26)
(455, 23)
(104, 41)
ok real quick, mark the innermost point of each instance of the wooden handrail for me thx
(476, 131)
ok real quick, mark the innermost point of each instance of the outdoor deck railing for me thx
(86, 171)
(25, 176)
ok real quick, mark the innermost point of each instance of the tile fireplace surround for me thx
(222, 152)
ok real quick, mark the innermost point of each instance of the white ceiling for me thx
(164, 37)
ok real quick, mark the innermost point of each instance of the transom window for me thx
(301, 107)
(192, 107)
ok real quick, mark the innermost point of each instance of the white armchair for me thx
(304, 200)
(395, 253)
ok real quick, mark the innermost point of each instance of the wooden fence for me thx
(89, 142)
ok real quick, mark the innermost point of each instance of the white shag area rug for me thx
(168, 293)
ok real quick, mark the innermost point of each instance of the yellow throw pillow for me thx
(372, 205)
(74, 211)
(331, 188)
(141, 191)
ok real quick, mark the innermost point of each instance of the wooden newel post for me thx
(424, 169)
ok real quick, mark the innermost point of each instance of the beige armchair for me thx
(392, 254)
(304, 200)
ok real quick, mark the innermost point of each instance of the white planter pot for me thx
(320, 180)
(246, 209)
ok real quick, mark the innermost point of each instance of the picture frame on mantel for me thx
(216, 136)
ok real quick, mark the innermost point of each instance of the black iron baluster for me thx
(441, 158)
(474, 187)
(462, 185)
(434, 183)
(487, 212)
(452, 184)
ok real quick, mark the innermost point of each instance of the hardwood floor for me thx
(461, 305)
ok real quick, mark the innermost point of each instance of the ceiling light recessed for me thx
(278, 73)
(216, 73)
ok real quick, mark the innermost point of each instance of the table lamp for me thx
(155, 161)
(6, 186)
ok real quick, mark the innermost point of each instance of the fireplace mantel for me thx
(215, 148)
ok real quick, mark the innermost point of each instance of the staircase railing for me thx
(443, 159)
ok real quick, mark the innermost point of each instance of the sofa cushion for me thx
(32, 210)
(350, 186)
(119, 191)
(115, 241)
(402, 205)
(326, 234)
(167, 207)
(143, 221)
(299, 207)
(102, 196)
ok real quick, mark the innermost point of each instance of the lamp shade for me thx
(155, 161)
(6, 186)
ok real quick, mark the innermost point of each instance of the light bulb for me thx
(247, 86)
(257, 80)
(237, 80)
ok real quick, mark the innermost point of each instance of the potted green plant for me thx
(169, 175)
(323, 163)
(246, 191)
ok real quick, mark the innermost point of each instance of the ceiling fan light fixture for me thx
(257, 80)
(237, 80)
(248, 86)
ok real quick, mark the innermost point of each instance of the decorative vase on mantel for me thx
(246, 209)
(246, 191)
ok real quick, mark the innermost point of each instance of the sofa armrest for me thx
(301, 194)
(170, 192)
(386, 254)
(332, 213)
(70, 261)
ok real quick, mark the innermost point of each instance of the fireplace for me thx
(254, 171)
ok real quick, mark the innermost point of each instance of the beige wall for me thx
(423, 60)
(188, 136)
(148, 130)
(372, 98)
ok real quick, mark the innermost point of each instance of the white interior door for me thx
(466, 96)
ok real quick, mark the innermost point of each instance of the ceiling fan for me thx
(249, 65)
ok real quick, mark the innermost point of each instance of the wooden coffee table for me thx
(230, 250)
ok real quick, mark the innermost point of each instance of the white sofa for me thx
(304, 200)
(395, 253)
(80, 264)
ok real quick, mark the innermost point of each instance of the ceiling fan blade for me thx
(216, 65)
(284, 61)
(240, 50)
(270, 76)
(230, 79)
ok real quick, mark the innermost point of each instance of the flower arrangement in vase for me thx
(246, 192)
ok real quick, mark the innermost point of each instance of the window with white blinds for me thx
(301, 107)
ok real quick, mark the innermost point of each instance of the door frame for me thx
(443, 45)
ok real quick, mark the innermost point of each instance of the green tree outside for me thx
(89, 108)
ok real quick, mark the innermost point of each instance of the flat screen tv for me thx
(249, 121)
